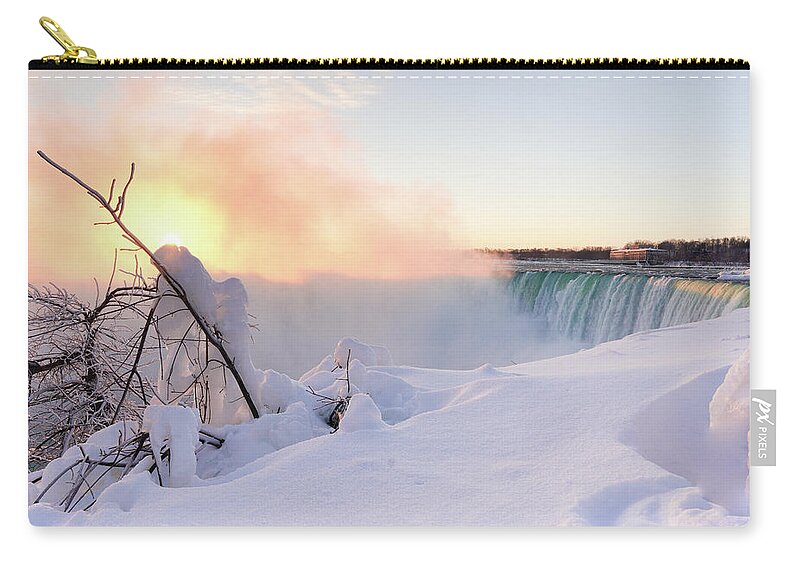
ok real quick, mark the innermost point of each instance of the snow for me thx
(739, 276)
(620, 434)
(54, 489)
(729, 409)
(281, 391)
(362, 414)
(650, 429)
(223, 306)
(391, 393)
(352, 349)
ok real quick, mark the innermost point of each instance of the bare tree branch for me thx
(213, 336)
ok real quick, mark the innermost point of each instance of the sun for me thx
(170, 239)
(165, 214)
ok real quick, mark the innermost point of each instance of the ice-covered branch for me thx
(213, 336)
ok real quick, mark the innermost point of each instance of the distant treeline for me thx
(716, 250)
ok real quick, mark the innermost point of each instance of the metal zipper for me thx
(75, 57)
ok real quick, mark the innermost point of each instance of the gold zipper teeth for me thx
(75, 55)
(369, 62)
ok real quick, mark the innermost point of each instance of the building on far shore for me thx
(649, 255)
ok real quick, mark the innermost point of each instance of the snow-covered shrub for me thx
(193, 391)
(347, 388)
(193, 373)
(173, 429)
(74, 480)
(80, 358)
(333, 382)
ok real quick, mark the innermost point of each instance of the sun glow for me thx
(171, 239)
(166, 213)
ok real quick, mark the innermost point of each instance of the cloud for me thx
(267, 184)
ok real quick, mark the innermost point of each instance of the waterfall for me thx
(597, 307)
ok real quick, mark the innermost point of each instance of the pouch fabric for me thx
(389, 296)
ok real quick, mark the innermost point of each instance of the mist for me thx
(453, 322)
(279, 190)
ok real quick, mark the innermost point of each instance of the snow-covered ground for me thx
(619, 434)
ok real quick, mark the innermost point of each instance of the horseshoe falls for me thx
(598, 307)
(458, 322)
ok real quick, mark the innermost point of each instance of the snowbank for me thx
(729, 409)
(362, 414)
(351, 349)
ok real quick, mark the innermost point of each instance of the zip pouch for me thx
(386, 292)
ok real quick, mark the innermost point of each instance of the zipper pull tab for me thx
(72, 53)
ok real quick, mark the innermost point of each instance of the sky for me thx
(385, 174)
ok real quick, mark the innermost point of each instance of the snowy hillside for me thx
(614, 435)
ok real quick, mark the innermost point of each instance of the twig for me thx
(116, 214)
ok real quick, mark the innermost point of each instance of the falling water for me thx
(597, 307)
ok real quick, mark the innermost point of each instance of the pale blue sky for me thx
(568, 162)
